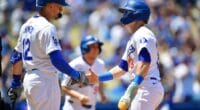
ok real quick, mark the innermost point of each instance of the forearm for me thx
(142, 68)
(101, 89)
(17, 68)
(59, 62)
(117, 72)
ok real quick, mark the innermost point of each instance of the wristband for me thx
(16, 81)
(106, 76)
(138, 79)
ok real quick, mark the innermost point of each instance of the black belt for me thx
(86, 106)
(153, 78)
(34, 69)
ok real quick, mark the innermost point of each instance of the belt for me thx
(34, 69)
(153, 78)
(85, 106)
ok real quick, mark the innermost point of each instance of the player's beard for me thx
(59, 15)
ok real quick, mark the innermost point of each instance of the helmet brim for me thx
(94, 42)
(123, 10)
(64, 4)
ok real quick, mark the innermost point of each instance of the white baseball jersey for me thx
(143, 38)
(90, 90)
(150, 92)
(37, 39)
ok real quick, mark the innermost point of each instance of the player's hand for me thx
(84, 100)
(128, 96)
(14, 93)
(14, 90)
(92, 77)
(83, 79)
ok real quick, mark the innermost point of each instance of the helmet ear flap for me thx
(84, 49)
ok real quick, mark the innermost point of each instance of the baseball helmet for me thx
(42, 3)
(88, 40)
(134, 10)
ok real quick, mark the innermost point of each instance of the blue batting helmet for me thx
(134, 10)
(42, 3)
(88, 40)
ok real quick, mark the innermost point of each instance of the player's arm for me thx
(115, 72)
(143, 65)
(50, 44)
(74, 94)
(102, 94)
(59, 62)
(17, 66)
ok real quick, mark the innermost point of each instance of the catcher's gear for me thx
(42, 3)
(88, 40)
(134, 10)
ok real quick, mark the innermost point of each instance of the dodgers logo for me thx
(143, 40)
(131, 50)
(55, 40)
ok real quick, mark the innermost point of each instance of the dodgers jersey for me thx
(143, 38)
(90, 90)
(37, 39)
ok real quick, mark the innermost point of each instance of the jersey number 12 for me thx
(26, 49)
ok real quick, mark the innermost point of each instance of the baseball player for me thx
(39, 52)
(141, 50)
(84, 97)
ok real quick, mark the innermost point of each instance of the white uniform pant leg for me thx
(42, 91)
(148, 96)
(67, 105)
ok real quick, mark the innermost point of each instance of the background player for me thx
(85, 97)
(142, 50)
(38, 50)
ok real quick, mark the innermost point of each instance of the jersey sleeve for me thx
(49, 40)
(144, 42)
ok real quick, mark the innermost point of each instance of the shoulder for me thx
(143, 34)
(43, 23)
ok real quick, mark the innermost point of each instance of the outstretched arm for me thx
(59, 62)
(113, 73)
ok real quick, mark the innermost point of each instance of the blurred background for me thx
(176, 24)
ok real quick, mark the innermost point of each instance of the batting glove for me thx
(13, 93)
(14, 90)
(83, 79)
